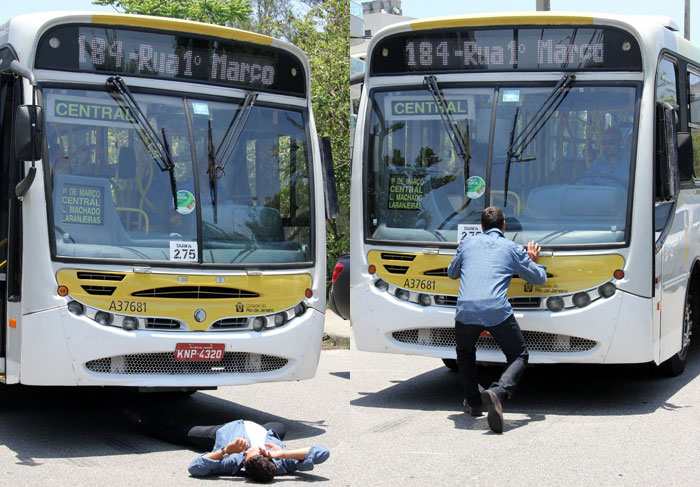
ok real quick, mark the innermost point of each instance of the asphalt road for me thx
(388, 420)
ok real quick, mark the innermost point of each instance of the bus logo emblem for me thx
(239, 307)
(200, 315)
(528, 287)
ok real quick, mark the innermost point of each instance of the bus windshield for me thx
(113, 194)
(568, 186)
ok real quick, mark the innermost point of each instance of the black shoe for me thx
(495, 416)
(476, 412)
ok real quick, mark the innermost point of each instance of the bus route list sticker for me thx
(82, 204)
(475, 187)
(185, 202)
(183, 251)
(405, 192)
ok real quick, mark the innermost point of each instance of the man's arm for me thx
(277, 452)
(528, 268)
(236, 446)
(302, 459)
(454, 271)
(203, 466)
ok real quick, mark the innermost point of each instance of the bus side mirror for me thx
(685, 156)
(332, 208)
(29, 140)
(666, 157)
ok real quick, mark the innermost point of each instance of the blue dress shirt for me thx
(485, 264)
(202, 467)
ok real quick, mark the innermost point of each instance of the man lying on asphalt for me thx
(238, 447)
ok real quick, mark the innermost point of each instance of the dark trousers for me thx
(509, 337)
(199, 437)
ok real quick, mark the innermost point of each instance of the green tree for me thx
(220, 12)
(323, 33)
(273, 18)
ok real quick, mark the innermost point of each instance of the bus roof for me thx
(537, 18)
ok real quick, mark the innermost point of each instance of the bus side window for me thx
(694, 118)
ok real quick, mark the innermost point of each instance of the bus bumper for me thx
(59, 348)
(614, 330)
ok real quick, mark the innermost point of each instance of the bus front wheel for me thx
(676, 364)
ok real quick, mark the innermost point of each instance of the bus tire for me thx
(676, 364)
(450, 363)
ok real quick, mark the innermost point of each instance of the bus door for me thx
(8, 166)
(671, 220)
(10, 231)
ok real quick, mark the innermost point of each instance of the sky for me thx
(11, 8)
(669, 8)
(427, 8)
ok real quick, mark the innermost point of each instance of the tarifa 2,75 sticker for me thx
(183, 251)
(467, 230)
(475, 186)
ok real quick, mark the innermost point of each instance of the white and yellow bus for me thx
(162, 209)
(517, 110)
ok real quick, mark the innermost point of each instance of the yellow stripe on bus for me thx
(426, 273)
(481, 20)
(181, 26)
(274, 293)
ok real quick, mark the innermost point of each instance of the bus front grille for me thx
(162, 324)
(396, 269)
(393, 256)
(195, 292)
(164, 363)
(99, 290)
(230, 323)
(536, 341)
(517, 303)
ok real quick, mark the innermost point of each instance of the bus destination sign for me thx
(171, 56)
(551, 48)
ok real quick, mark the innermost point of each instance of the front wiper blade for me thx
(211, 170)
(160, 151)
(518, 144)
(219, 158)
(233, 133)
(460, 141)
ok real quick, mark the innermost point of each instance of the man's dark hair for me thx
(260, 469)
(492, 217)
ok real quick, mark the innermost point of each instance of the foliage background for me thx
(320, 28)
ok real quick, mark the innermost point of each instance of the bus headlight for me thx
(130, 323)
(425, 300)
(555, 303)
(76, 308)
(299, 309)
(607, 290)
(403, 294)
(104, 319)
(382, 285)
(581, 300)
(280, 319)
(258, 323)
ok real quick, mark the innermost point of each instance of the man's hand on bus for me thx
(533, 250)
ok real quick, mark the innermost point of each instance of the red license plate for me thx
(199, 351)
